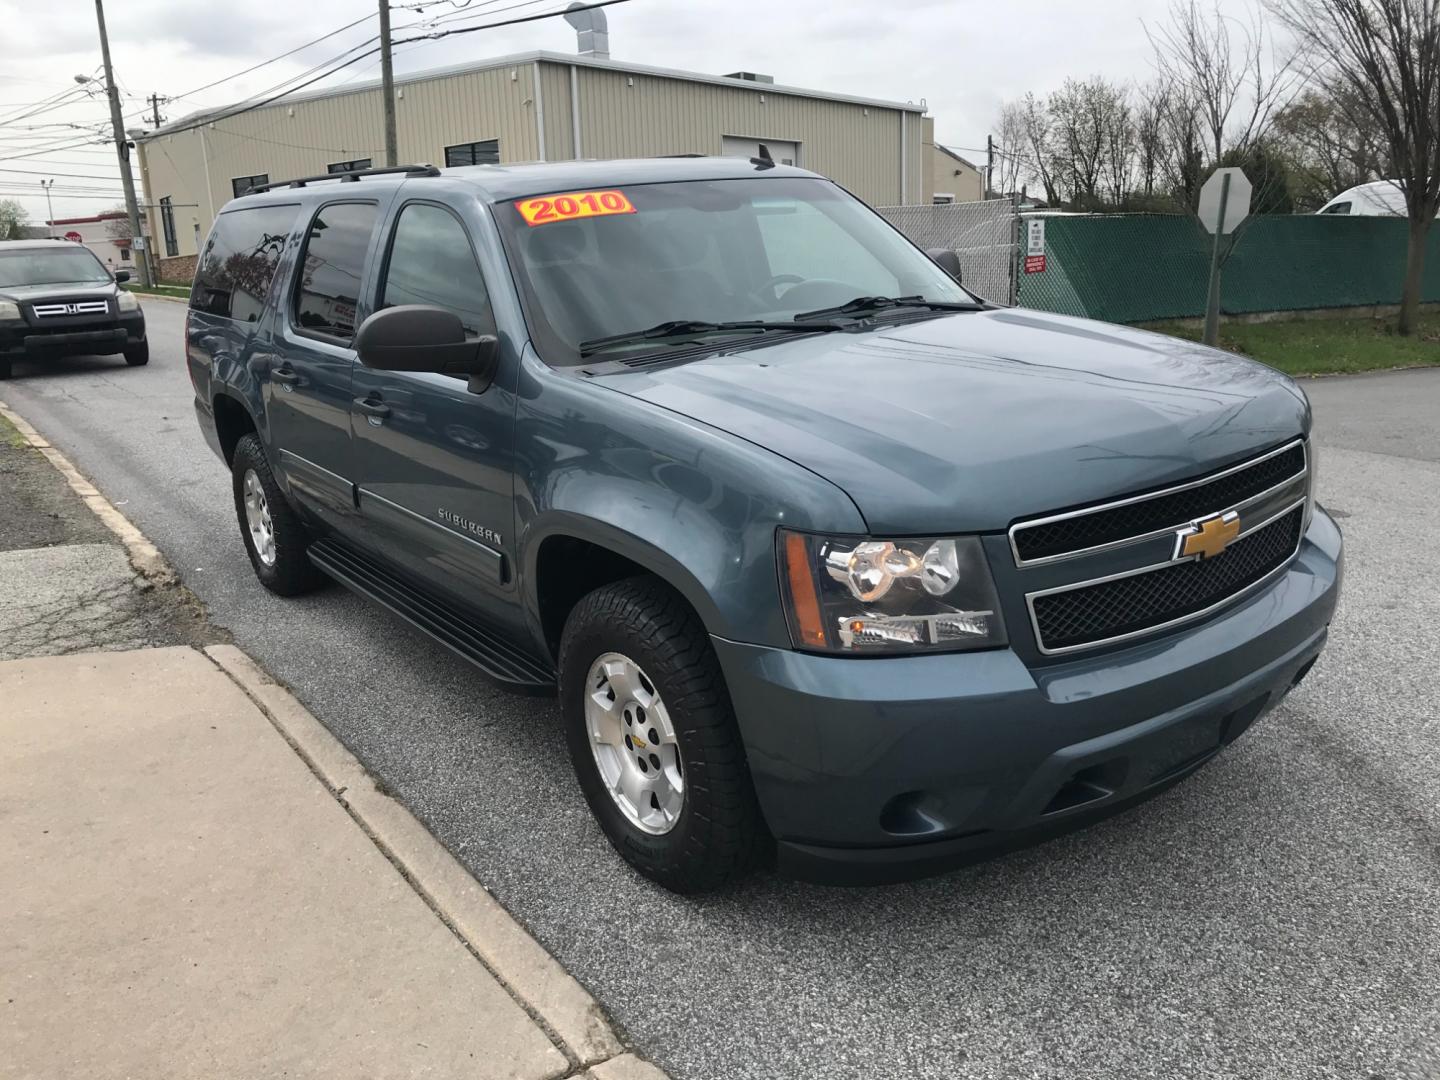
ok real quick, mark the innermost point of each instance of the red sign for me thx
(1034, 264)
(75, 236)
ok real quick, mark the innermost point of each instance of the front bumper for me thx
(884, 769)
(100, 337)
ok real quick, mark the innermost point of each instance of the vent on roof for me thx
(591, 30)
(750, 76)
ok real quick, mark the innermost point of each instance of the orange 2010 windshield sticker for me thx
(573, 205)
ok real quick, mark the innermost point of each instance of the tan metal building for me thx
(532, 106)
(950, 177)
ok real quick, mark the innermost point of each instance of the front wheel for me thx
(653, 738)
(274, 536)
(138, 355)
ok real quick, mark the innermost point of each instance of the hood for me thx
(966, 422)
(69, 290)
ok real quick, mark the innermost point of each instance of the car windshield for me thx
(64, 264)
(598, 264)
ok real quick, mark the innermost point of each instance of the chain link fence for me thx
(982, 234)
(1130, 268)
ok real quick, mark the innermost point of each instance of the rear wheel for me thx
(138, 355)
(274, 536)
(653, 738)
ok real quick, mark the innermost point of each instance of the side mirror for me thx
(419, 337)
(121, 276)
(947, 260)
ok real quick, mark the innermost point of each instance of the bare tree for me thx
(118, 228)
(1226, 70)
(1329, 148)
(1152, 103)
(1386, 53)
(1038, 139)
(12, 219)
(1011, 162)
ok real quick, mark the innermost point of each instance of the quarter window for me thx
(333, 263)
(348, 166)
(1337, 208)
(485, 152)
(243, 185)
(239, 261)
(431, 262)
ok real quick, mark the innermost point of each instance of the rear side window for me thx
(333, 266)
(1337, 208)
(239, 260)
(431, 262)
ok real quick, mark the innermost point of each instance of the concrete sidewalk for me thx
(187, 892)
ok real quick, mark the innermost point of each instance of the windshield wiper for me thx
(682, 328)
(863, 305)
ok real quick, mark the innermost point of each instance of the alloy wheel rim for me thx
(633, 743)
(257, 518)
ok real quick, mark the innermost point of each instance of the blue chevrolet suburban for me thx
(829, 562)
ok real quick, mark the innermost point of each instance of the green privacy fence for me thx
(1141, 267)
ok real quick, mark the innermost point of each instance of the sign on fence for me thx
(1035, 246)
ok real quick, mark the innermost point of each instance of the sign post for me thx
(1224, 204)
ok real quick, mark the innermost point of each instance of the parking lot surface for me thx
(1274, 916)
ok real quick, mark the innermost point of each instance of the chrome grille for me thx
(82, 307)
(1152, 598)
(1139, 517)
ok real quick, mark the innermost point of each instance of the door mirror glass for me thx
(947, 260)
(122, 276)
(421, 337)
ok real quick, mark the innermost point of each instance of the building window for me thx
(124, 254)
(348, 166)
(940, 198)
(242, 185)
(486, 152)
(167, 223)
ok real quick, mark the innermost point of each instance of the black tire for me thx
(719, 834)
(138, 355)
(5, 370)
(291, 573)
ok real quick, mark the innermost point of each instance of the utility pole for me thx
(122, 147)
(155, 109)
(387, 84)
(989, 165)
(49, 206)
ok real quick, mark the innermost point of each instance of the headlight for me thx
(126, 301)
(9, 309)
(860, 595)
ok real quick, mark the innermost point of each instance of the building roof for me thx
(534, 56)
(951, 153)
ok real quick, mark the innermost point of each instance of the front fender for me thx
(694, 505)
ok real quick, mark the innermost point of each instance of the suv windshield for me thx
(64, 264)
(593, 266)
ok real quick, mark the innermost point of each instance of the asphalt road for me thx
(1275, 916)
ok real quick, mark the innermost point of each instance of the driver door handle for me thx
(284, 375)
(372, 407)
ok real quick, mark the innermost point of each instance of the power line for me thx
(261, 103)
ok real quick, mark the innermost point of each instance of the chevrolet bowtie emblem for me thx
(1208, 537)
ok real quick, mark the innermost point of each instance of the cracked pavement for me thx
(66, 584)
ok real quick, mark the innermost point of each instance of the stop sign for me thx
(73, 235)
(1237, 201)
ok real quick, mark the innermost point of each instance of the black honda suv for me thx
(57, 299)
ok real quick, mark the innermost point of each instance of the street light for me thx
(49, 206)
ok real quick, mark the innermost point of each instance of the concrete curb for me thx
(549, 993)
(144, 556)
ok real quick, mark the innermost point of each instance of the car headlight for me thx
(126, 301)
(859, 595)
(9, 309)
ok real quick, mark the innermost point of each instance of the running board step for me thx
(492, 654)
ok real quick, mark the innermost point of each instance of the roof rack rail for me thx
(408, 170)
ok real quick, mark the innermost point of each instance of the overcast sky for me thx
(963, 57)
